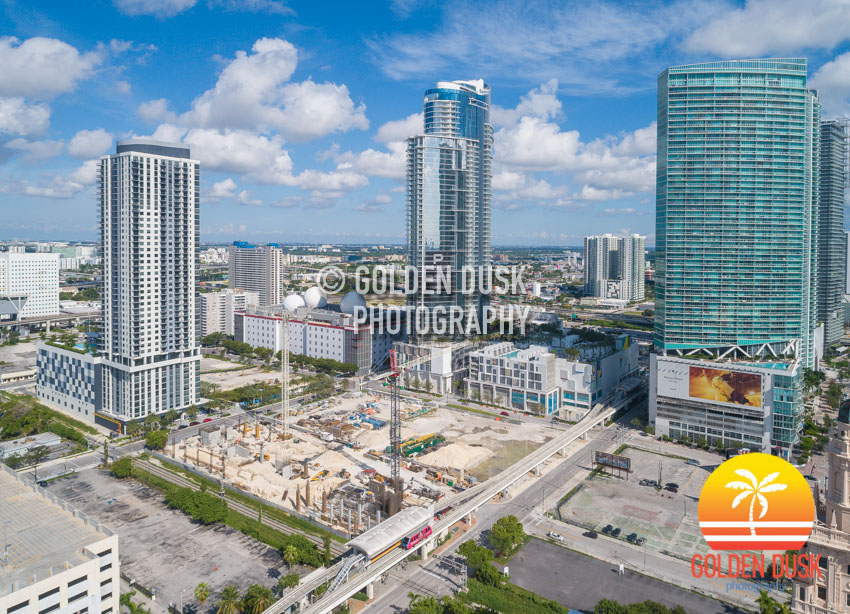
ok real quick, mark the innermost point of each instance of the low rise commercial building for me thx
(326, 331)
(58, 560)
(752, 405)
(69, 380)
(539, 381)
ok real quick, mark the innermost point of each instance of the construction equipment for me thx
(393, 375)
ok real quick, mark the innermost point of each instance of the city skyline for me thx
(315, 150)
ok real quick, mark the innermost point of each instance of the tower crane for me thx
(397, 369)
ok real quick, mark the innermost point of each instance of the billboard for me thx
(725, 386)
(613, 460)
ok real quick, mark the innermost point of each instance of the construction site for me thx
(335, 464)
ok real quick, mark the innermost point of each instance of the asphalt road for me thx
(580, 582)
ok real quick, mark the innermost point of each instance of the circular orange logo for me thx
(756, 502)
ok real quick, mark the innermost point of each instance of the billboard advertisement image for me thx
(725, 386)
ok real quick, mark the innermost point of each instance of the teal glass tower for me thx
(737, 233)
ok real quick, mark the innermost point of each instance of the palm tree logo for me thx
(755, 490)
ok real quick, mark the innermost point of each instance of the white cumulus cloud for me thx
(90, 143)
(763, 27)
(157, 8)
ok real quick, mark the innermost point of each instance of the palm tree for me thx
(137, 608)
(202, 592)
(755, 490)
(229, 600)
(257, 599)
(767, 604)
(126, 598)
(290, 554)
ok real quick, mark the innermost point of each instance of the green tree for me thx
(152, 421)
(14, 460)
(126, 598)
(425, 605)
(290, 580)
(192, 412)
(170, 416)
(37, 454)
(290, 555)
(122, 468)
(229, 601)
(156, 440)
(132, 428)
(257, 599)
(476, 556)
(326, 543)
(202, 592)
(766, 603)
(453, 605)
(609, 606)
(487, 574)
(506, 533)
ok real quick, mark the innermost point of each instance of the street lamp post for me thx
(181, 600)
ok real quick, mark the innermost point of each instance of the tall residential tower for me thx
(256, 268)
(614, 267)
(449, 176)
(149, 202)
(832, 251)
(736, 252)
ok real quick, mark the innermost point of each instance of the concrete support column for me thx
(469, 518)
(370, 590)
(423, 550)
(537, 471)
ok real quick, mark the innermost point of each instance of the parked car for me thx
(207, 419)
(645, 482)
(672, 485)
(504, 413)
(591, 534)
(640, 541)
(182, 426)
(632, 538)
(194, 423)
(607, 530)
(42, 483)
(616, 532)
(812, 478)
(671, 489)
(692, 461)
(556, 536)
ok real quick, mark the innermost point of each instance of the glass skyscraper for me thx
(737, 241)
(831, 248)
(449, 193)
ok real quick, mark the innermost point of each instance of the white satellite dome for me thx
(315, 298)
(293, 302)
(350, 302)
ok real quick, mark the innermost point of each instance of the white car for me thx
(553, 535)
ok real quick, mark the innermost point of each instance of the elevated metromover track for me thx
(460, 505)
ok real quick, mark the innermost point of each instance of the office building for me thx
(449, 193)
(149, 205)
(846, 262)
(614, 267)
(58, 559)
(29, 285)
(832, 251)
(736, 252)
(535, 380)
(829, 591)
(218, 309)
(69, 379)
(256, 268)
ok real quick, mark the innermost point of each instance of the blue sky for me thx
(298, 111)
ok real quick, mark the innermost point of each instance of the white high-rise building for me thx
(149, 204)
(33, 276)
(217, 309)
(614, 267)
(256, 268)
